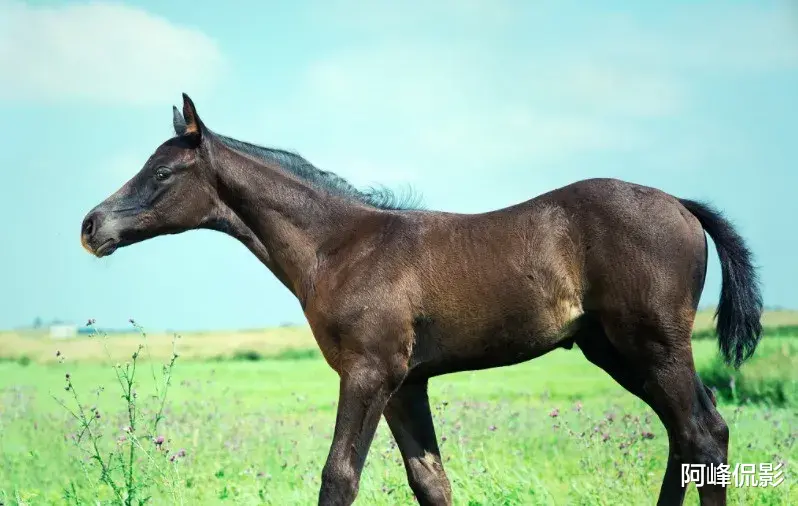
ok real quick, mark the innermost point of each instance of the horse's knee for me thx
(709, 439)
(429, 482)
(339, 485)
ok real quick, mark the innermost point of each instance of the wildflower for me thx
(605, 436)
(158, 440)
(97, 415)
(57, 353)
(492, 428)
(172, 458)
(127, 429)
(647, 435)
(554, 413)
(181, 453)
(90, 322)
(578, 406)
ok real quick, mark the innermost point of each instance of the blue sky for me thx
(477, 104)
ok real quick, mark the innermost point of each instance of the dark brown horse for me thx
(395, 296)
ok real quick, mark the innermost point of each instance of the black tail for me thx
(739, 312)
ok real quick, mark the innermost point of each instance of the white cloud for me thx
(729, 38)
(100, 52)
(427, 105)
(503, 87)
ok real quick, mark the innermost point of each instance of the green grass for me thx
(769, 377)
(256, 431)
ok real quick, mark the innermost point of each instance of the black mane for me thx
(380, 198)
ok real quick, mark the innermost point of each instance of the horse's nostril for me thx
(88, 226)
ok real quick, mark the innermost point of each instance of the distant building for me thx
(63, 331)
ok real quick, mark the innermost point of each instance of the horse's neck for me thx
(282, 219)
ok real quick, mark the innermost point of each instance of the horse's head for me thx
(172, 193)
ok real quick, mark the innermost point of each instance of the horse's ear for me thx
(178, 121)
(193, 123)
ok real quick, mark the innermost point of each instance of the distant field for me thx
(705, 319)
(258, 431)
(221, 344)
(193, 346)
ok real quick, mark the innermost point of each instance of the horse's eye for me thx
(162, 173)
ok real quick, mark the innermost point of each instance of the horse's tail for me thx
(739, 312)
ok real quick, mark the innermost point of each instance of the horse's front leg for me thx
(367, 383)
(409, 417)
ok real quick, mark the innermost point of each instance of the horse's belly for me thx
(442, 347)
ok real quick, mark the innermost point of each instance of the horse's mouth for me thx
(106, 248)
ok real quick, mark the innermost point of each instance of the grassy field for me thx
(256, 430)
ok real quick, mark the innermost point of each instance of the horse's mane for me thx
(378, 197)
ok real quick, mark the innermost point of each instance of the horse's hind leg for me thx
(408, 415)
(656, 364)
(696, 432)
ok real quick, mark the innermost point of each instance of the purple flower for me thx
(158, 440)
(554, 413)
(605, 436)
(647, 435)
(181, 453)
